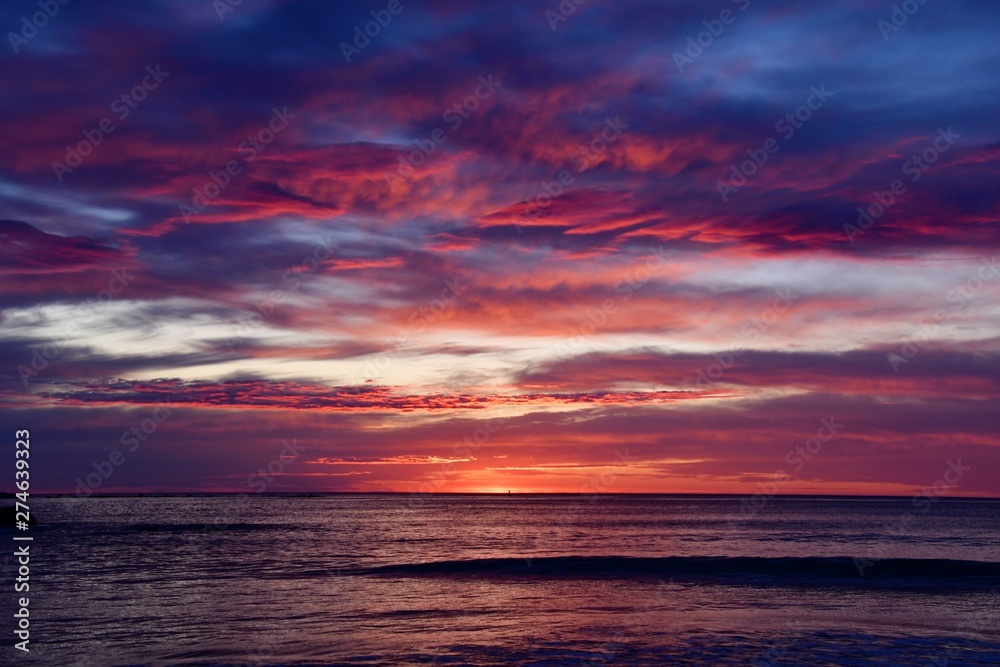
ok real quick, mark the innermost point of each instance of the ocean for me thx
(357, 579)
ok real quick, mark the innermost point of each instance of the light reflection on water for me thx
(264, 581)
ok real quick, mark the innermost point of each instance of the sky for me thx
(720, 247)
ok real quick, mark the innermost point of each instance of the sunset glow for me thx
(485, 253)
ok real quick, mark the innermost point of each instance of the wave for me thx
(754, 571)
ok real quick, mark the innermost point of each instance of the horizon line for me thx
(166, 494)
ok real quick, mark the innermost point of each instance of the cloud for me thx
(554, 250)
(936, 371)
(411, 459)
